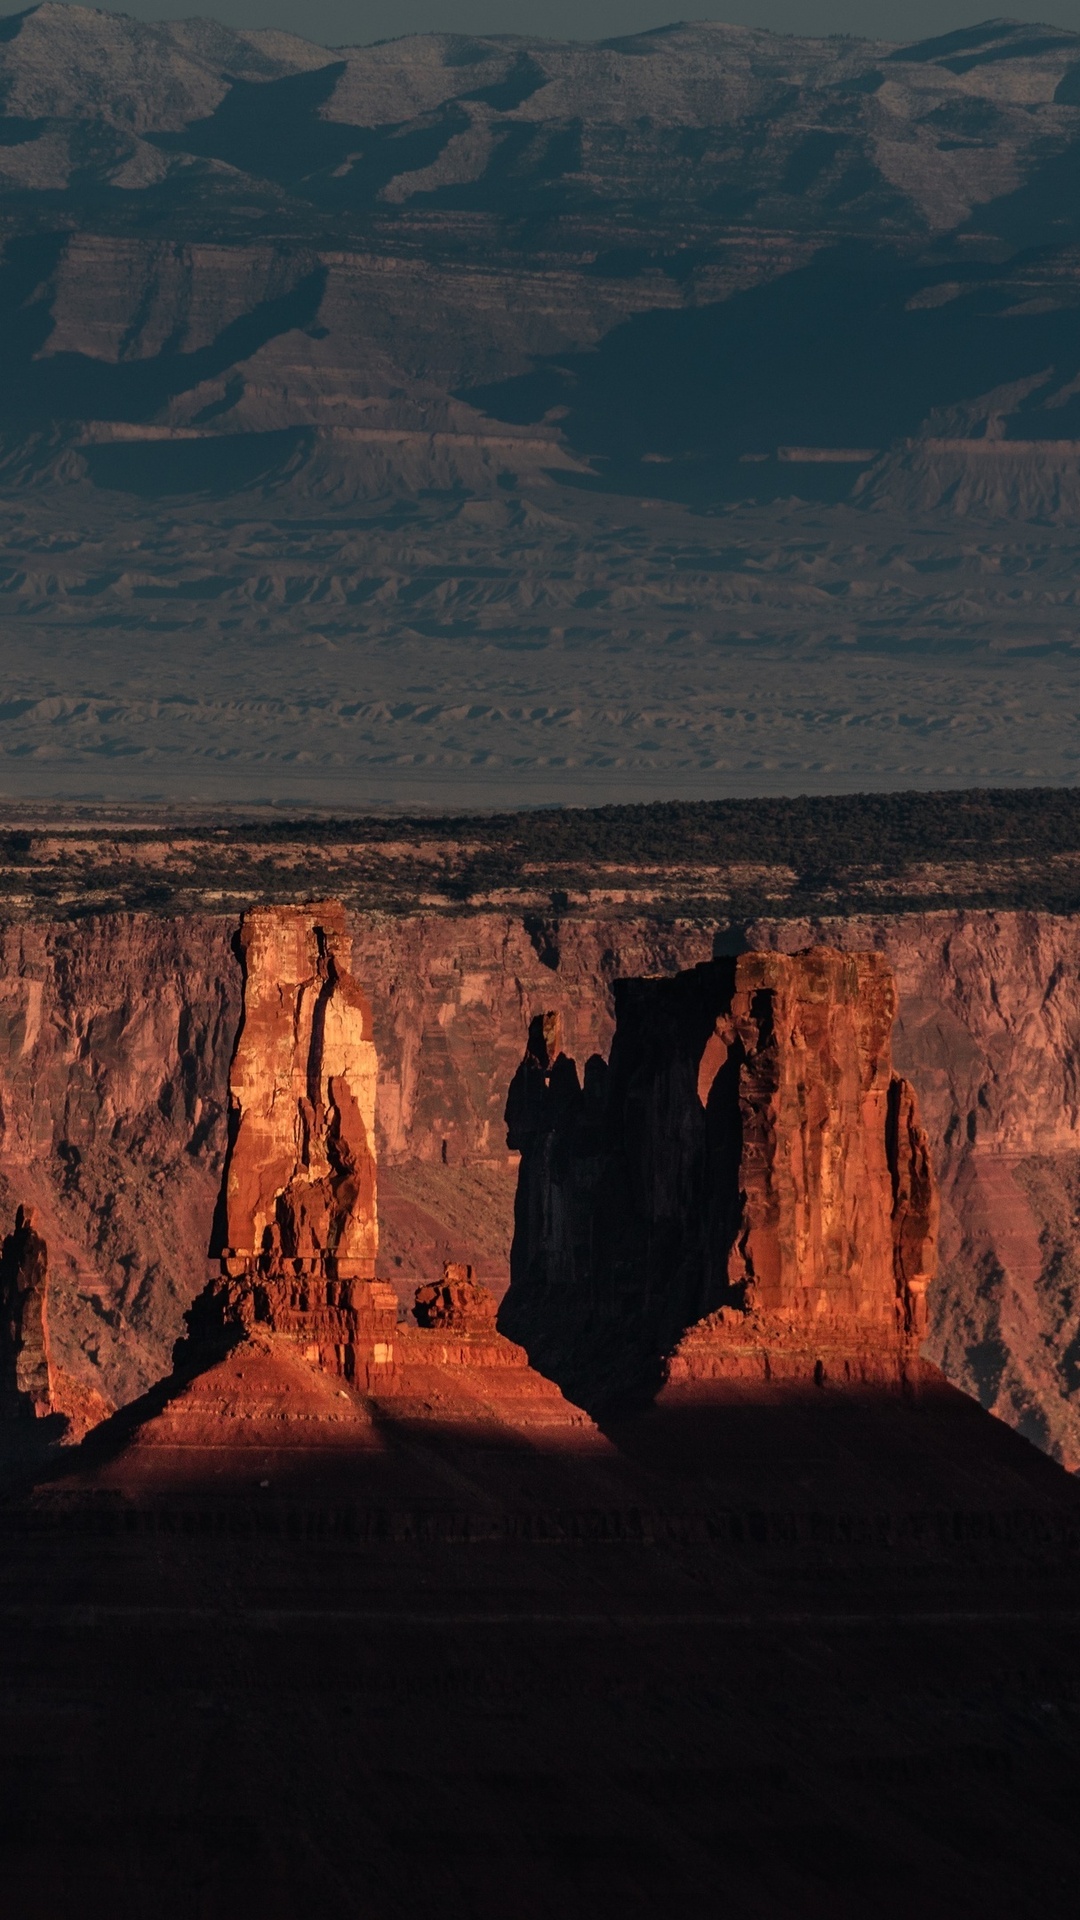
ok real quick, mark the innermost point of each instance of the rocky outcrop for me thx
(830, 1143)
(988, 1031)
(32, 1383)
(835, 1243)
(301, 1220)
(300, 1214)
(25, 1369)
(457, 1302)
(744, 1190)
(300, 1186)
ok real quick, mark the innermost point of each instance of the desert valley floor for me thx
(550, 646)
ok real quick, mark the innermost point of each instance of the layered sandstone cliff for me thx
(988, 1030)
(157, 305)
(835, 1241)
(117, 1036)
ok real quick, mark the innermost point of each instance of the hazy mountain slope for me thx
(404, 307)
(725, 120)
(229, 232)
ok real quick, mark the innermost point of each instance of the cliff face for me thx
(301, 1178)
(117, 1036)
(747, 1172)
(830, 1141)
(115, 1039)
(452, 1000)
(989, 1033)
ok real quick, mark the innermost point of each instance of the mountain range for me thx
(692, 412)
(688, 248)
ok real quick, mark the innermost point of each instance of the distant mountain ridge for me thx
(682, 250)
(732, 121)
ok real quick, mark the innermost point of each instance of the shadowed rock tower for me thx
(744, 1191)
(26, 1382)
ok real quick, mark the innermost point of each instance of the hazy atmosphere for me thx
(348, 22)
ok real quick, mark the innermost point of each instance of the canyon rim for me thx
(119, 1117)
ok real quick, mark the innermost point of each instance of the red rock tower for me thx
(835, 1246)
(300, 1200)
(300, 1191)
(744, 1190)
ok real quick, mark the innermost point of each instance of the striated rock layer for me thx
(744, 1190)
(296, 265)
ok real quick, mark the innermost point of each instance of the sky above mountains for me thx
(349, 22)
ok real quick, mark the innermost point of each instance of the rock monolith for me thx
(744, 1190)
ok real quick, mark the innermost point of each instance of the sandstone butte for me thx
(299, 1220)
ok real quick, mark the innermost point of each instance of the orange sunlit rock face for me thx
(300, 1192)
(301, 1181)
(300, 1200)
(836, 1243)
(830, 1142)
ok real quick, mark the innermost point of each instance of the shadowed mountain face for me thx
(699, 244)
(630, 392)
